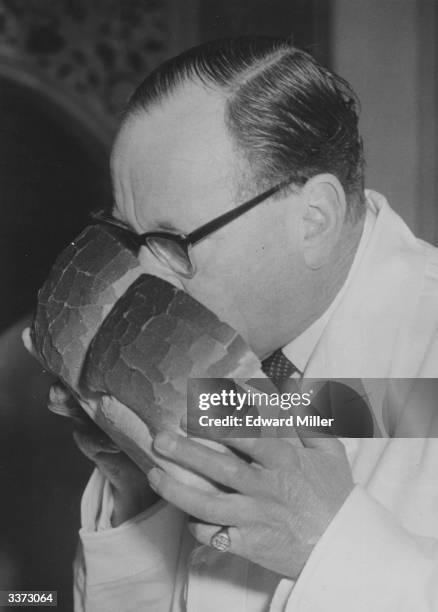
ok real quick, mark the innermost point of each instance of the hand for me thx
(130, 488)
(280, 503)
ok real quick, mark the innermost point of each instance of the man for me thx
(319, 268)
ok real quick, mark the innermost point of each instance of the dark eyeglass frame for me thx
(186, 241)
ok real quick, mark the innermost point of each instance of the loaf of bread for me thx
(104, 327)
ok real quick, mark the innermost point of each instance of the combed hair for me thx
(289, 116)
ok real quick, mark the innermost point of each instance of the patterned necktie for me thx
(278, 368)
(346, 406)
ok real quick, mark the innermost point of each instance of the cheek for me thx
(218, 291)
(229, 285)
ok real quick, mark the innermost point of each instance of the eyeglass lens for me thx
(172, 254)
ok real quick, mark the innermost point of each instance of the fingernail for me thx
(104, 409)
(59, 393)
(105, 400)
(165, 443)
(154, 476)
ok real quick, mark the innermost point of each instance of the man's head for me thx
(214, 127)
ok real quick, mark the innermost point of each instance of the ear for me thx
(323, 214)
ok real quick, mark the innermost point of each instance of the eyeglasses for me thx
(173, 249)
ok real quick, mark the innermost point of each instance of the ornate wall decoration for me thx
(87, 55)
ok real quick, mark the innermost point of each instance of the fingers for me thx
(203, 533)
(324, 443)
(92, 441)
(268, 452)
(62, 402)
(131, 492)
(127, 429)
(223, 468)
(217, 508)
(273, 452)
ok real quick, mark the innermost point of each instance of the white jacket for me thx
(380, 553)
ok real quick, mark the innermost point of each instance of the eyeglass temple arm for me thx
(103, 217)
(219, 222)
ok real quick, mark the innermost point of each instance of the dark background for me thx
(66, 69)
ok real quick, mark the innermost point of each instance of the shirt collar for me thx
(301, 348)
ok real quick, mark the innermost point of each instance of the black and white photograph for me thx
(219, 316)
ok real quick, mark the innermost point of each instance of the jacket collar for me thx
(357, 335)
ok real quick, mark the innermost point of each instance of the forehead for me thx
(175, 164)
